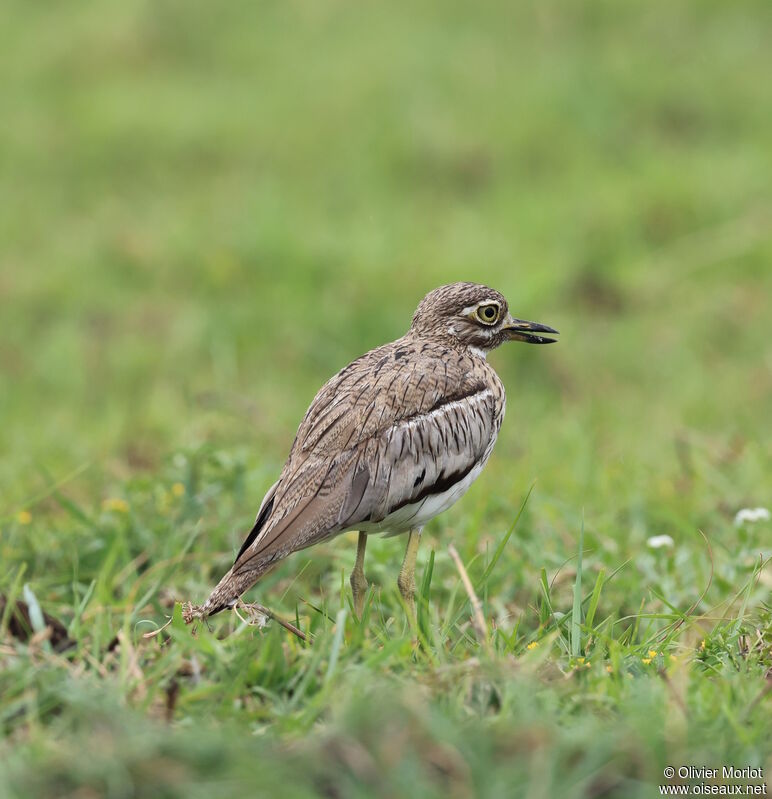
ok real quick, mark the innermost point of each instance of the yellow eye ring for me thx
(488, 314)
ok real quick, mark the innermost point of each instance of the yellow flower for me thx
(23, 517)
(645, 661)
(652, 653)
(178, 489)
(609, 669)
(702, 644)
(580, 661)
(115, 504)
(532, 645)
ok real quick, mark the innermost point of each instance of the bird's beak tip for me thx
(521, 330)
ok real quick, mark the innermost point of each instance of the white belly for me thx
(419, 513)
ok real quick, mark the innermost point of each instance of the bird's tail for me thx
(225, 595)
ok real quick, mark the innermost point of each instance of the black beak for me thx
(520, 330)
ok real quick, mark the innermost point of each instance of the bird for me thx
(389, 442)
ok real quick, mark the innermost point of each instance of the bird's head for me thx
(474, 316)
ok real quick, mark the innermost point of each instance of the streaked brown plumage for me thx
(390, 441)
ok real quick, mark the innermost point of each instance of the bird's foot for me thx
(359, 587)
(406, 584)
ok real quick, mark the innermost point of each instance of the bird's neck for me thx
(478, 352)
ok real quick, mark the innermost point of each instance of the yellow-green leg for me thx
(358, 580)
(406, 579)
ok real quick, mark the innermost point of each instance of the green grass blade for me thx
(424, 616)
(545, 587)
(594, 599)
(337, 642)
(576, 615)
(500, 548)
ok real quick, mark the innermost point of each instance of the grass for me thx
(205, 215)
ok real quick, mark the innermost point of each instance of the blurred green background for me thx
(208, 210)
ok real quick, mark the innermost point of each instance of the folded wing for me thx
(375, 440)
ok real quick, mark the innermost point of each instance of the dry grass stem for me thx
(478, 620)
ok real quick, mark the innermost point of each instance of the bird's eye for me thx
(488, 314)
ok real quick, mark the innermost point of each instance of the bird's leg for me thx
(358, 580)
(406, 579)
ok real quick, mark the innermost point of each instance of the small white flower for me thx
(751, 515)
(659, 541)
